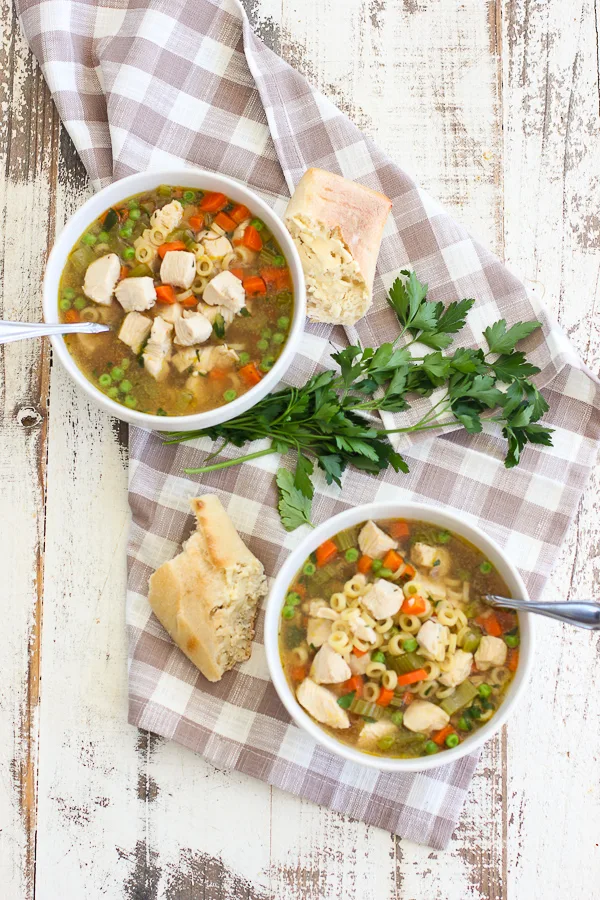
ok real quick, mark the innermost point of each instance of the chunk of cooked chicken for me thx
(430, 588)
(136, 293)
(460, 669)
(225, 290)
(192, 328)
(170, 312)
(423, 554)
(374, 542)
(361, 630)
(184, 359)
(491, 652)
(134, 330)
(157, 350)
(179, 268)
(382, 599)
(169, 216)
(318, 631)
(219, 357)
(211, 313)
(423, 716)
(371, 732)
(433, 639)
(328, 667)
(217, 248)
(322, 704)
(358, 664)
(101, 277)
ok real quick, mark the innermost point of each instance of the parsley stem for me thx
(230, 462)
(418, 427)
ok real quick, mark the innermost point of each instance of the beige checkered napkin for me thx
(144, 84)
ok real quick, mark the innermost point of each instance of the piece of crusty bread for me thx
(207, 596)
(337, 227)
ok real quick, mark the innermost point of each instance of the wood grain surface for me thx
(495, 108)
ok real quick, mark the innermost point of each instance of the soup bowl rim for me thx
(437, 515)
(118, 191)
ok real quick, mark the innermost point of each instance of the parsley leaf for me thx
(499, 340)
(294, 507)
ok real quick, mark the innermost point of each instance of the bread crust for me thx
(207, 596)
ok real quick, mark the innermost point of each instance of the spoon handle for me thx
(18, 331)
(583, 614)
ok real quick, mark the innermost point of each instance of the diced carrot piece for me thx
(392, 560)
(250, 373)
(298, 589)
(385, 695)
(356, 684)
(252, 239)
(240, 213)
(412, 677)
(254, 285)
(407, 698)
(225, 222)
(298, 673)
(414, 606)
(196, 222)
(440, 736)
(239, 273)
(189, 302)
(358, 652)
(326, 552)
(165, 293)
(213, 203)
(71, 316)
(490, 625)
(506, 619)
(364, 564)
(410, 571)
(217, 374)
(172, 245)
(398, 530)
(513, 659)
(123, 272)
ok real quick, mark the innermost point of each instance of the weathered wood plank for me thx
(28, 152)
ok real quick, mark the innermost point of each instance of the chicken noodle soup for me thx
(198, 295)
(386, 642)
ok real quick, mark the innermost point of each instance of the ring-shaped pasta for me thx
(371, 692)
(361, 645)
(499, 675)
(299, 655)
(389, 680)
(443, 692)
(375, 670)
(411, 624)
(355, 585)
(338, 640)
(158, 235)
(337, 601)
(462, 618)
(485, 716)
(411, 588)
(349, 613)
(89, 314)
(461, 635)
(204, 265)
(433, 670)
(452, 643)
(466, 591)
(427, 688)
(199, 285)
(446, 614)
(367, 619)
(384, 626)
(395, 645)
(245, 255)
(378, 642)
(145, 252)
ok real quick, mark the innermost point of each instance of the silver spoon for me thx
(18, 331)
(582, 614)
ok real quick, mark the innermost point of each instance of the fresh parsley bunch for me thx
(325, 421)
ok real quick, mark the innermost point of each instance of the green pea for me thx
(283, 322)
(486, 567)
(89, 239)
(189, 196)
(135, 214)
(278, 338)
(161, 412)
(133, 204)
(266, 333)
(376, 565)
(164, 190)
(279, 261)
(69, 293)
(410, 646)
(103, 237)
(128, 253)
(452, 740)
(244, 358)
(384, 572)
(378, 656)
(288, 612)
(125, 363)
(351, 554)
(229, 395)
(117, 373)
(126, 386)
(105, 380)
(484, 690)
(130, 401)
(430, 748)
(267, 363)
(125, 232)
(293, 599)
(386, 742)
(80, 303)
(397, 717)
(64, 304)
(463, 724)
(113, 392)
(511, 640)
(256, 223)
(309, 568)
(262, 345)
(443, 537)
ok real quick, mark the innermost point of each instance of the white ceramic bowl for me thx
(115, 194)
(444, 519)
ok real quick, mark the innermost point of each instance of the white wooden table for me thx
(494, 106)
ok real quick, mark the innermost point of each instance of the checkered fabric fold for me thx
(142, 84)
